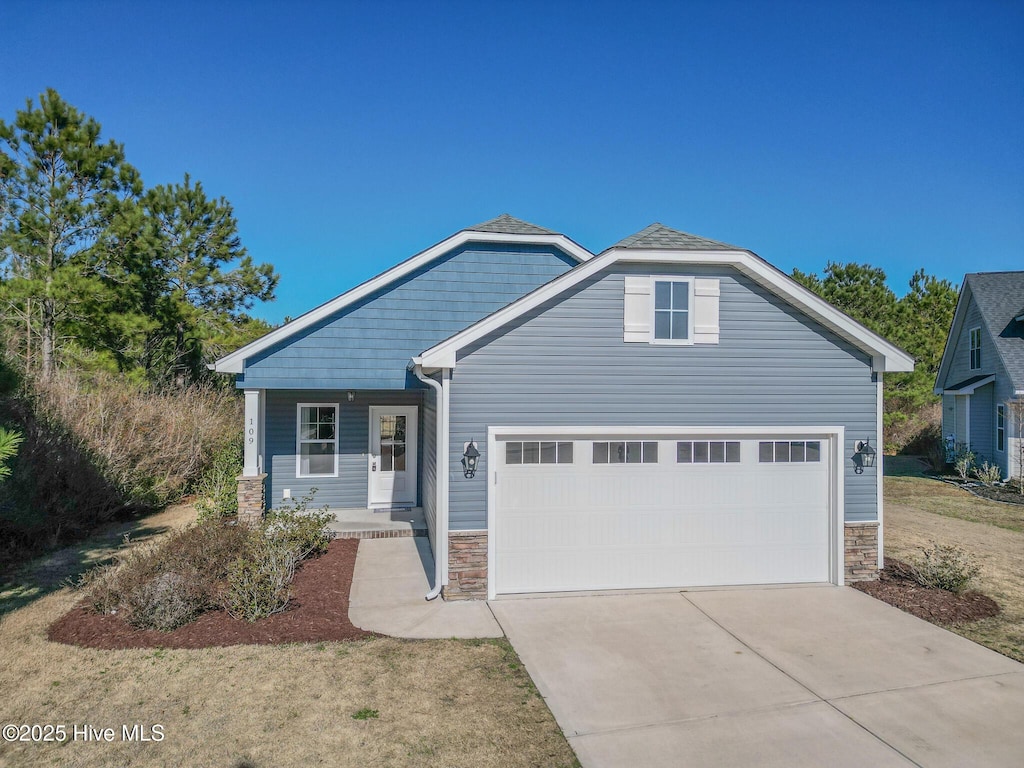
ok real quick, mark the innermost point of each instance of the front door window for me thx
(392, 443)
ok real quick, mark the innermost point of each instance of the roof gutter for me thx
(441, 480)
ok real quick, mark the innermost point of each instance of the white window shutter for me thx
(636, 309)
(705, 308)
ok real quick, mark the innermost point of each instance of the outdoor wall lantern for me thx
(351, 396)
(470, 457)
(864, 456)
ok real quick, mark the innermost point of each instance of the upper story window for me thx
(975, 348)
(673, 316)
(317, 441)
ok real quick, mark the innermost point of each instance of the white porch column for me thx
(251, 465)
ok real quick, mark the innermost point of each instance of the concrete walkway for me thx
(802, 676)
(391, 578)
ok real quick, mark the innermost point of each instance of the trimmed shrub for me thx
(964, 462)
(988, 474)
(303, 532)
(168, 583)
(944, 566)
(259, 584)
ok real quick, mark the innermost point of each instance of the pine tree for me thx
(198, 279)
(59, 189)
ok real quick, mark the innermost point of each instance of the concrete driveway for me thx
(801, 676)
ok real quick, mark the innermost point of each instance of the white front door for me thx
(392, 455)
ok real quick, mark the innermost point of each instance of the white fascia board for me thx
(235, 362)
(954, 332)
(884, 355)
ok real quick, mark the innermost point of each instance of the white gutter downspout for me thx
(440, 480)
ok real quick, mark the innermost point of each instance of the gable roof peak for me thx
(658, 236)
(506, 224)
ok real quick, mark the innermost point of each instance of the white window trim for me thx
(690, 312)
(1001, 411)
(971, 348)
(299, 440)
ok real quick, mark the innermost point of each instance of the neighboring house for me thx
(983, 368)
(671, 412)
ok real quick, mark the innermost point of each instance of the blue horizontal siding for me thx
(565, 364)
(349, 488)
(368, 345)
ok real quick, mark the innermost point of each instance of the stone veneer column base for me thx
(467, 566)
(861, 551)
(251, 499)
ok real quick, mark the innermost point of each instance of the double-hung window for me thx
(975, 348)
(1000, 427)
(317, 440)
(673, 310)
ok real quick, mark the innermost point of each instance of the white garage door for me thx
(635, 511)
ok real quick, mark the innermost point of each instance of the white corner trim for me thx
(879, 469)
(885, 356)
(235, 362)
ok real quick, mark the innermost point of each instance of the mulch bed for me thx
(895, 587)
(1008, 493)
(317, 612)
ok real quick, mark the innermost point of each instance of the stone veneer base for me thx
(251, 499)
(860, 551)
(467, 566)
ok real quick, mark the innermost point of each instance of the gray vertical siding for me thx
(565, 364)
(349, 488)
(428, 463)
(983, 423)
(368, 345)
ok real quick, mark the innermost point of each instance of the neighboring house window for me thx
(626, 452)
(672, 310)
(975, 348)
(1000, 427)
(708, 452)
(317, 442)
(782, 451)
(538, 453)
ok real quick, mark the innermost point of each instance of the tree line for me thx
(918, 322)
(97, 271)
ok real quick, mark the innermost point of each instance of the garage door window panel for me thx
(626, 452)
(538, 452)
(708, 452)
(789, 451)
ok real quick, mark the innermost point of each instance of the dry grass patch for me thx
(921, 511)
(438, 703)
(936, 497)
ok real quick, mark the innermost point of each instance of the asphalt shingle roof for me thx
(999, 296)
(510, 225)
(659, 236)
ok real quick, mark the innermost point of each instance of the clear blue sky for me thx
(349, 136)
